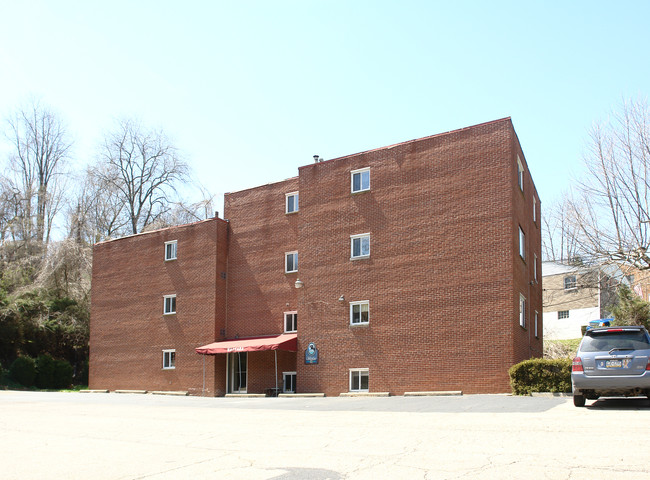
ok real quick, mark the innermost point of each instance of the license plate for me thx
(613, 364)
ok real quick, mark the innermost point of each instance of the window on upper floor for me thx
(169, 304)
(522, 311)
(359, 379)
(291, 262)
(562, 314)
(536, 320)
(360, 246)
(170, 250)
(520, 174)
(570, 282)
(169, 359)
(291, 202)
(360, 312)
(522, 244)
(290, 322)
(534, 210)
(360, 180)
(535, 267)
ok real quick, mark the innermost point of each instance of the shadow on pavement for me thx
(633, 403)
(308, 474)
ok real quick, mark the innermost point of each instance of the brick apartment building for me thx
(412, 267)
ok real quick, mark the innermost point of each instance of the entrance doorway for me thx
(237, 370)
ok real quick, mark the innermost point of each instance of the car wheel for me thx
(579, 400)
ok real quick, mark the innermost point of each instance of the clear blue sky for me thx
(250, 90)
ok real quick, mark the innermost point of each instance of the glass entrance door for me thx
(237, 370)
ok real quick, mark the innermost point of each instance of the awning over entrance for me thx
(286, 341)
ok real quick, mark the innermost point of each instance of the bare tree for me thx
(559, 235)
(183, 212)
(142, 169)
(612, 211)
(40, 149)
(98, 211)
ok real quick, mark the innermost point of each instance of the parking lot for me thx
(121, 436)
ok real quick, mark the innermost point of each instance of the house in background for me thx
(576, 295)
(408, 268)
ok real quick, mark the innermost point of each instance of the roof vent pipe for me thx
(316, 159)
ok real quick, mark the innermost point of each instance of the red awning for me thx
(286, 341)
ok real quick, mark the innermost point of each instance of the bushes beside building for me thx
(43, 372)
(541, 375)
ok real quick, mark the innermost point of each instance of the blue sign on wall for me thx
(311, 354)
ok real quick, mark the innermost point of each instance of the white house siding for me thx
(567, 328)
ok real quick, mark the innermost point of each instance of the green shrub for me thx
(45, 371)
(541, 375)
(23, 371)
(51, 373)
(63, 374)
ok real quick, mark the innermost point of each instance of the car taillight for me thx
(647, 367)
(577, 365)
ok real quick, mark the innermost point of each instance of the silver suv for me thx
(612, 362)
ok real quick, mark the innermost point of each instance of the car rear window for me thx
(605, 341)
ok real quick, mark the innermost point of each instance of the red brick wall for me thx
(525, 343)
(442, 278)
(259, 292)
(128, 330)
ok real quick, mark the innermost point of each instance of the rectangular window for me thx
(360, 180)
(289, 382)
(360, 312)
(535, 268)
(562, 314)
(360, 245)
(536, 320)
(170, 250)
(169, 359)
(169, 304)
(522, 311)
(520, 174)
(522, 244)
(291, 262)
(290, 321)
(570, 282)
(359, 379)
(291, 203)
(534, 209)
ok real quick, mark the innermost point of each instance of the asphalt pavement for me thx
(127, 436)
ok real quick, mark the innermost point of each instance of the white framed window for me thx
(360, 246)
(534, 209)
(290, 322)
(169, 304)
(291, 202)
(535, 268)
(562, 314)
(291, 262)
(536, 324)
(359, 379)
(288, 382)
(360, 312)
(360, 180)
(522, 311)
(522, 244)
(520, 174)
(169, 359)
(570, 282)
(170, 250)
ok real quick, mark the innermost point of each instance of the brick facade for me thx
(128, 330)
(443, 280)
